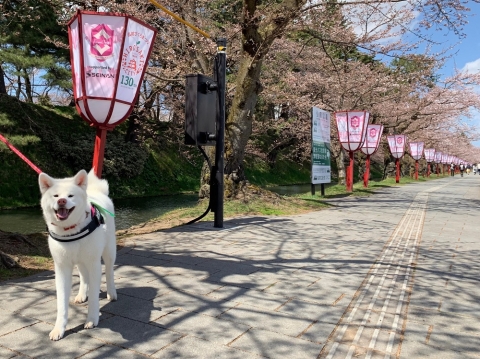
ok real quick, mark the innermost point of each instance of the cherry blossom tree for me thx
(293, 54)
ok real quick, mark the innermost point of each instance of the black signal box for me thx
(200, 110)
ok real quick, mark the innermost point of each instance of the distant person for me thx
(452, 169)
(469, 169)
(462, 169)
(474, 168)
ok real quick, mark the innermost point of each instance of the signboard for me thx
(321, 168)
(438, 157)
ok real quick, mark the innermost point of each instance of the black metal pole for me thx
(312, 189)
(220, 77)
(322, 189)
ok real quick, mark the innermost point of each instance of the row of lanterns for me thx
(355, 134)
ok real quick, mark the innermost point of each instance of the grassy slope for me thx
(60, 144)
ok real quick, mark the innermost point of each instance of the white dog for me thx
(79, 235)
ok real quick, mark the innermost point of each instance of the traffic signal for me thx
(200, 110)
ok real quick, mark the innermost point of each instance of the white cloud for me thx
(472, 67)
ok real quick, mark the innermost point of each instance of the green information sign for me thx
(321, 169)
(320, 153)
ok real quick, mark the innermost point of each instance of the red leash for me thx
(20, 154)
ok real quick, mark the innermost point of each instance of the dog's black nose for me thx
(62, 202)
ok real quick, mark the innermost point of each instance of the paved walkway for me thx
(395, 275)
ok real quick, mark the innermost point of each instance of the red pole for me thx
(99, 151)
(397, 175)
(428, 169)
(349, 179)
(438, 170)
(366, 175)
(416, 169)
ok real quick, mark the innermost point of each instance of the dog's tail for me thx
(96, 184)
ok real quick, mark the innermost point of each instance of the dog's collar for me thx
(95, 222)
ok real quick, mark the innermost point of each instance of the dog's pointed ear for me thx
(45, 182)
(81, 179)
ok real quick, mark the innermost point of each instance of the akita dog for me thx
(79, 216)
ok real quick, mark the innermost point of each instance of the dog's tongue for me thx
(62, 213)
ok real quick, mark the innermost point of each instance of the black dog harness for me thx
(97, 220)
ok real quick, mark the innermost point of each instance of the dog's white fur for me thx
(66, 203)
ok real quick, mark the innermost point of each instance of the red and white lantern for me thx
(397, 149)
(352, 128)
(397, 145)
(429, 157)
(370, 146)
(416, 151)
(429, 154)
(444, 158)
(109, 54)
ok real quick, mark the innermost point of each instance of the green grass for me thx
(282, 173)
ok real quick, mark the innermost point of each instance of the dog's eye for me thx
(55, 195)
(70, 195)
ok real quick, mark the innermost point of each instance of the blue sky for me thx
(465, 54)
(468, 49)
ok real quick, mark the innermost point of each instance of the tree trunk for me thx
(18, 91)
(3, 87)
(342, 174)
(239, 122)
(28, 86)
(258, 35)
(133, 125)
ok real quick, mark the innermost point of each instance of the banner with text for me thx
(321, 168)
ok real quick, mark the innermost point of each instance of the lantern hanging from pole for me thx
(109, 54)
(397, 148)
(370, 146)
(429, 157)
(352, 128)
(416, 151)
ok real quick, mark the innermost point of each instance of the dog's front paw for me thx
(56, 334)
(112, 296)
(89, 325)
(79, 299)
